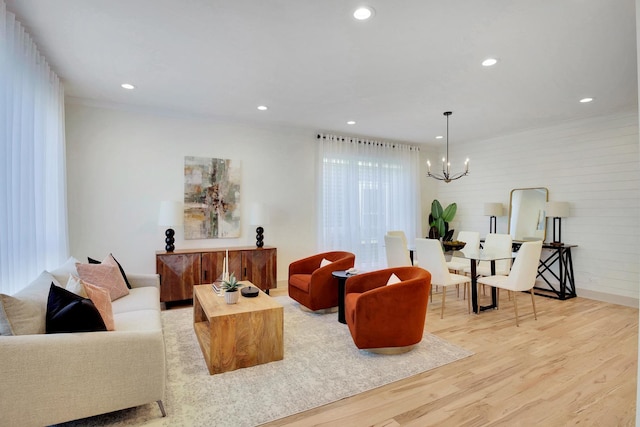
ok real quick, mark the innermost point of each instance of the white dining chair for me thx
(472, 240)
(497, 244)
(458, 264)
(399, 233)
(522, 276)
(431, 258)
(397, 252)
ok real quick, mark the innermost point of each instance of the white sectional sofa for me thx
(52, 378)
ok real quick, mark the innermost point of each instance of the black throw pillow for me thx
(68, 312)
(124, 276)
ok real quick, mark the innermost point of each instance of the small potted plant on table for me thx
(230, 287)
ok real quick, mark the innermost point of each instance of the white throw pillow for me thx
(393, 279)
(75, 285)
(324, 262)
(63, 272)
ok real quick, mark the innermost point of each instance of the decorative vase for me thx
(231, 297)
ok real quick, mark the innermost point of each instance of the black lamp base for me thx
(169, 240)
(259, 237)
(558, 221)
(493, 224)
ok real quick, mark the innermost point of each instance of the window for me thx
(365, 189)
(33, 222)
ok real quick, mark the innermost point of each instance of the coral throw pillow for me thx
(102, 301)
(105, 276)
(110, 262)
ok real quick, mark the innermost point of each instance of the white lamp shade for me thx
(557, 209)
(258, 214)
(493, 209)
(171, 213)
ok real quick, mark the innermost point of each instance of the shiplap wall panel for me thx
(592, 164)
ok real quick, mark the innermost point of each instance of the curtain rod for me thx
(366, 141)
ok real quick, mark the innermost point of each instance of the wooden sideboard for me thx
(182, 269)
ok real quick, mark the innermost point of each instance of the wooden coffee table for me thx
(234, 336)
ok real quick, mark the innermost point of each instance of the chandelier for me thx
(446, 164)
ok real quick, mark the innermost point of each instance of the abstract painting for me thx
(211, 198)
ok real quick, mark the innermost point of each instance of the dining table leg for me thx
(474, 287)
(477, 308)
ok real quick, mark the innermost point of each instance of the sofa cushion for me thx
(140, 320)
(106, 276)
(124, 276)
(68, 312)
(146, 298)
(18, 317)
(101, 299)
(63, 272)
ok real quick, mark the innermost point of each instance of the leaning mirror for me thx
(527, 218)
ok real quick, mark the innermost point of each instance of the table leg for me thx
(341, 290)
(494, 290)
(474, 287)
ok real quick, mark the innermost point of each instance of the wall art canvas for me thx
(211, 198)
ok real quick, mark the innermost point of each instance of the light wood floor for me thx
(575, 365)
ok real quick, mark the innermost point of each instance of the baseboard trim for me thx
(604, 297)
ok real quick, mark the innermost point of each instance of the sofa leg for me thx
(161, 406)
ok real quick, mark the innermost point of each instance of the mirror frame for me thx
(541, 221)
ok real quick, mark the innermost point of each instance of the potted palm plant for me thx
(230, 287)
(439, 221)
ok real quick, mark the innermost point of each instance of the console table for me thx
(560, 255)
(183, 269)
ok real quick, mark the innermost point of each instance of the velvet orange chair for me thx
(313, 286)
(387, 318)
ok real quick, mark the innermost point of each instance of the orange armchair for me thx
(384, 317)
(313, 286)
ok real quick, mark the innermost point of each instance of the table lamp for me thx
(493, 210)
(557, 211)
(258, 217)
(171, 214)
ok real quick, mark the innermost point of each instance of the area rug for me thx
(321, 365)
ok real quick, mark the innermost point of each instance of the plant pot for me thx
(231, 297)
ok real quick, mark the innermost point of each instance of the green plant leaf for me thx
(440, 226)
(450, 212)
(436, 209)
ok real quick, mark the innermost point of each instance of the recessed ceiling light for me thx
(363, 13)
(262, 107)
(127, 86)
(439, 137)
(489, 62)
(351, 122)
(585, 100)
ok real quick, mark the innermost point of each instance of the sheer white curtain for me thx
(33, 224)
(366, 188)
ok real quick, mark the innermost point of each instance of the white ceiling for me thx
(316, 67)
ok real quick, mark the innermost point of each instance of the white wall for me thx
(122, 164)
(592, 164)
